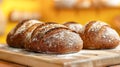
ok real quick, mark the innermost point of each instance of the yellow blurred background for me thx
(49, 14)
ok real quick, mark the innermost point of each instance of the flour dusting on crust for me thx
(96, 26)
(75, 27)
(46, 28)
(29, 34)
(67, 37)
(111, 33)
(25, 26)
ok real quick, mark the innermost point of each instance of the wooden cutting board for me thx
(84, 58)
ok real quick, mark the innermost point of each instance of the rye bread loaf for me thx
(99, 35)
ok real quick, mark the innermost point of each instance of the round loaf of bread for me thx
(37, 36)
(99, 35)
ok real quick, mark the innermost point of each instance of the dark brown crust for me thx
(60, 48)
(53, 29)
(38, 32)
(109, 41)
(34, 44)
(71, 22)
(51, 22)
(35, 37)
(47, 26)
(37, 28)
(10, 39)
(17, 41)
(20, 24)
(85, 35)
(87, 26)
(29, 31)
(99, 39)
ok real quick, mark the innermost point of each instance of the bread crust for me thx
(18, 35)
(99, 35)
(44, 37)
(70, 42)
(75, 27)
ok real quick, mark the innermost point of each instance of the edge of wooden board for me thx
(32, 60)
(25, 60)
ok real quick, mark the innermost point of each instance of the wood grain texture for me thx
(84, 58)
(114, 66)
(9, 64)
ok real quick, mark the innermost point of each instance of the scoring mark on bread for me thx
(30, 31)
(96, 26)
(25, 26)
(41, 31)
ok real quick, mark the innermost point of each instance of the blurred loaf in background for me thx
(2, 23)
(116, 23)
(17, 16)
